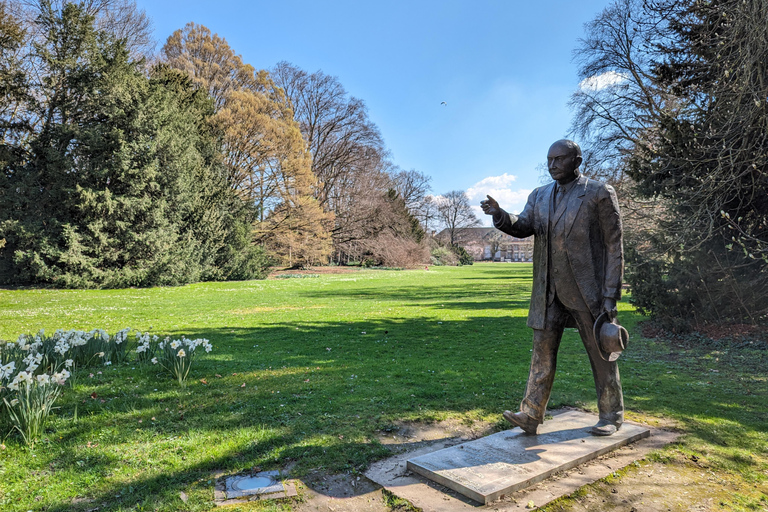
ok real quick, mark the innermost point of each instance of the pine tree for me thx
(121, 185)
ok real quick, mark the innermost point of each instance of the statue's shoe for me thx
(522, 420)
(604, 428)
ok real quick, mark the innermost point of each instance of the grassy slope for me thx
(327, 363)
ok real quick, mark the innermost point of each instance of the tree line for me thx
(673, 107)
(125, 167)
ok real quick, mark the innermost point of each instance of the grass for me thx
(306, 372)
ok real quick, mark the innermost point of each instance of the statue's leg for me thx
(543, 364)
(610, 400)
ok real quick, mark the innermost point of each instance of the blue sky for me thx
(504, 68)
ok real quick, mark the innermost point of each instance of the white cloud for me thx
(498, 187)
(603, 80)
(495, 182)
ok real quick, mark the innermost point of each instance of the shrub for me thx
(464, 257)
(443, 256)
(390, 250)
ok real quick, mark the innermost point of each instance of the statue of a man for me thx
(577, 272)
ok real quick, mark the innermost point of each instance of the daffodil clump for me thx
(176, 356)
(146, 347)
(32, 373)
(33, 369)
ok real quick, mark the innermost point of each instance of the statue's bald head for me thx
(563, 161)
(570, 145)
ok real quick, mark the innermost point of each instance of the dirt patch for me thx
(280, 272)
(340, 493)
(714, 332)
(352, 493)
(404, 432)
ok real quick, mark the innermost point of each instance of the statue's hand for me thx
(609, 306)
(490, 206)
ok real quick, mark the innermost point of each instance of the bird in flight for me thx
(443, 103)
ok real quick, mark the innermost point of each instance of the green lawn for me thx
(309, 370)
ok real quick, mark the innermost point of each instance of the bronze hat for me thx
(611, 338)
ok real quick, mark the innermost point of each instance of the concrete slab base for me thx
(505, 462)
(394, 475)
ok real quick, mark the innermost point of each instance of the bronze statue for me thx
(577, 272)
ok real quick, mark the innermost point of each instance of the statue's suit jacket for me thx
(593, 243)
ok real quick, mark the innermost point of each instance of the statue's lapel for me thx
(574, 203)
(545, 206)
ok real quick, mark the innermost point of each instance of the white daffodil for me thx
(107, 363)
(154, 360)
(61, 377)
(122, 335)
(181, 353)
(43, 378)
(175, 344)
(14, 402)
(68, 363)
(7, 370)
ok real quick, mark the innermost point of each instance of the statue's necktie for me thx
(559, 195)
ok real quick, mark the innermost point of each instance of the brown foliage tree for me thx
(264, 152)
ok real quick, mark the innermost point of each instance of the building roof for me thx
(478, 234)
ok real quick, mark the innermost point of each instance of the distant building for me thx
(490, 244)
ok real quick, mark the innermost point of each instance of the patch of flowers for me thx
(34, 369)
(176, 356)
(146, 347)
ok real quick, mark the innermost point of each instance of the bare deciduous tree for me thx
(342, 140)
(456, 214)
(412, 187)
(618, 98)
(672, 106)
(121, 18)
